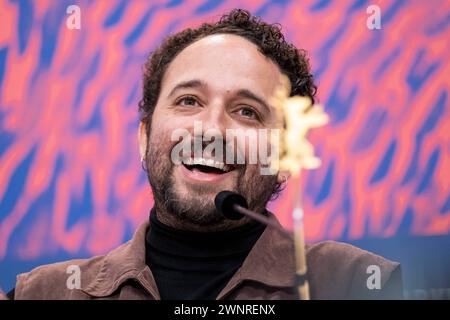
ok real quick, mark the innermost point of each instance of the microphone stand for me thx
(301, 277)
(262, 219)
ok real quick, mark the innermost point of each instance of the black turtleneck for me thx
(196, 265)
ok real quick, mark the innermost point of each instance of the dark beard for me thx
(199, 209)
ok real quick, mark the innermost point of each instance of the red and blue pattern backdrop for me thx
(71, 183)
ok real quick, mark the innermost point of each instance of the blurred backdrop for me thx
(71, 183)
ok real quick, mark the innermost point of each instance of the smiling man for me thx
(222, 76)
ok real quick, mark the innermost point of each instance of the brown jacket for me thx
(336, 271)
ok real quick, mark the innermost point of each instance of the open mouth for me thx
(209, 166)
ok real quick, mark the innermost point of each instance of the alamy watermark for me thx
(374, 19)
(73, 21)
(239, 146)
(374, 280)
(74, 279)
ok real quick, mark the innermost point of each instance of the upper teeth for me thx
(207, 162)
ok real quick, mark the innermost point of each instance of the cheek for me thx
(160, 140)
(162, 127)
(256, 148)
(165, 121)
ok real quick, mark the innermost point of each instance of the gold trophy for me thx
(296, 116)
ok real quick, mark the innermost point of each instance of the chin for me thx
(186, 190)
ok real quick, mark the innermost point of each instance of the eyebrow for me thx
(187, 85)
(244, 93)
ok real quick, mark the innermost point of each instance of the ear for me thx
(142, 139)
(283, 176)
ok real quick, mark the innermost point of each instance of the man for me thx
(222, 76)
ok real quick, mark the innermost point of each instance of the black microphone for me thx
(234, 207)
(225, 202)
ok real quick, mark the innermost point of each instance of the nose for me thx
(215, 119)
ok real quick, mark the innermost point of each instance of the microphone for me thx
(226, 201)
(234, 206)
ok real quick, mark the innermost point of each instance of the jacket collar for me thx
(121, 264)
(270, 262)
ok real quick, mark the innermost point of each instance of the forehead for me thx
(224, 62)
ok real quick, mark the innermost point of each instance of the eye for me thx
(249, 113)
(187, 101)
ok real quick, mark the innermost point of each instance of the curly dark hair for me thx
(268, 37)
